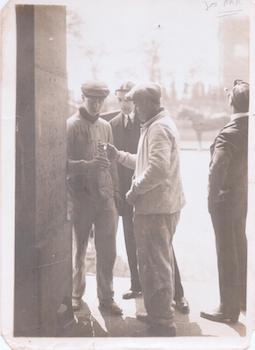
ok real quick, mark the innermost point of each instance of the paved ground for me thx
(195, 250)
(99, 325)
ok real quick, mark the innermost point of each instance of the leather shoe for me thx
(182, 305)
(76, 304)
(110, 308)
(162, 331)
(143, 317)
(219, 316)
(132, 294)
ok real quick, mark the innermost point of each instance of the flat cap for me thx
(150, 91)
(95, 89)
(125, 87)
(240, 92)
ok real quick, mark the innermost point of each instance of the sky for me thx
(120, 33)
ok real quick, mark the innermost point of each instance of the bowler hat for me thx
(125, 87)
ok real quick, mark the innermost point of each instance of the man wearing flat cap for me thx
(227, 204)
(92, 188)
(126, 133)
(157, 196)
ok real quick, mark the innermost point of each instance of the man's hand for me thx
(118, 201)
(131, 196)
(80, 167)
(98, 163)
(112, 152)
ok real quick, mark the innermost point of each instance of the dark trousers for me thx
(179, 293)
(128, 227)
(231, 246)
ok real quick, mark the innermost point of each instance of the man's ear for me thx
(230, 99)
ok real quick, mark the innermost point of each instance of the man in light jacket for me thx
(157, 195)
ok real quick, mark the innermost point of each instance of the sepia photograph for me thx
(127, 188)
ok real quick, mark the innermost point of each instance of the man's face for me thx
(143, 109)
(126, 106)
(93, 104)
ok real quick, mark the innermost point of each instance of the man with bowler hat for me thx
(92, 189)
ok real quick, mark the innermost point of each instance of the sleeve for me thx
(74, 167)
(113, 169)
(127, 159)
(160, 144)
(219, 165)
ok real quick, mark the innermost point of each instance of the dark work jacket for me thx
(228, 172)
(125, 139)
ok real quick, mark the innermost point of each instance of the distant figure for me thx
(157, 195)
(201, 124)
(227, 203)
(93, 190)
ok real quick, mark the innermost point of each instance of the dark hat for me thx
(150, 91)
(95, 89)
(125, 87)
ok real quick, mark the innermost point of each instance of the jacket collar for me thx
(85, 115)
(238, 115)
(159, 115)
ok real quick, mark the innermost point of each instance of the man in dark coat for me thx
(227, 202)
(126, 133)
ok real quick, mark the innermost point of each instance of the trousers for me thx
(154, 234)
(85, 213)
(231, 247)
(129, 235)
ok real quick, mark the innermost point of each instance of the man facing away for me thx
(227, 203)
(126, 133)
(157, 195)
(92, 189)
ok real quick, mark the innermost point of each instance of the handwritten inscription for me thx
(210, 4)
(223, 6)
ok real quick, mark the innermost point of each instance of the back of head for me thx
(149, 91)
(240, 96)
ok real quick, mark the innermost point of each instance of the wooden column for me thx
(42, 237)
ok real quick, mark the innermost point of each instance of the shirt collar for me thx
(238, 115)
(126, 116)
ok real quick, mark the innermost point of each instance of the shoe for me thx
(162, 331)
(218, 316)
(143, 317)
(182, 305)
(110, 308)
(76, 304)
(132, 294)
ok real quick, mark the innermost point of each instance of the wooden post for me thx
(43, 269)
